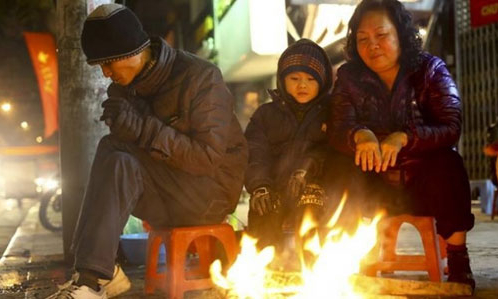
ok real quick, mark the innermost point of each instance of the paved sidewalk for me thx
(13, 213)
(32, 243)
(32, 265)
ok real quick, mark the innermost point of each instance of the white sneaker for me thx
(118, 284)
(72, 291)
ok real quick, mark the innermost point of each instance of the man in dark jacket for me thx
(176, 154)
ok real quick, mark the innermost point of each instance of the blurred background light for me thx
(422, 32)
(6, 107)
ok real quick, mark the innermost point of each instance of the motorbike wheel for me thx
(50, 210)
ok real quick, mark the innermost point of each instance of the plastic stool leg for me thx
(176, 265)
(366, 266)
(432, 252)
(389, 241)
(229, 242)
(152, 278)
(205, 247)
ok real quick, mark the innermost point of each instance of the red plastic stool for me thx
(177, 242)
(389, 261)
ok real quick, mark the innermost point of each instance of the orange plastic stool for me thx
(389, 261)
(177, 242)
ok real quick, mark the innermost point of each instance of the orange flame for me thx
(336, 258)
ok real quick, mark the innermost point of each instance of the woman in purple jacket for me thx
(396, 112)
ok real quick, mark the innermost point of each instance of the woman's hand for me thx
(367, 152)
(390, 148)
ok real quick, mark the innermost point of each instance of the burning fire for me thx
(336, 257)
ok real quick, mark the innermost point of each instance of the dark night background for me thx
(18, 84)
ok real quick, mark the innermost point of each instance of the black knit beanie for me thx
(112, 32)
(303, 56)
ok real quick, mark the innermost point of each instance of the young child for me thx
(287, 144)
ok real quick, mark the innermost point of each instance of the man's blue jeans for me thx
(126, 180)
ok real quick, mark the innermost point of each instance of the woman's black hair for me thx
(409, 38)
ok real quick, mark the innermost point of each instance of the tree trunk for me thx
(81, 91)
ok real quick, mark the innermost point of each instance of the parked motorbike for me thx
(33, 172)
(50, 212)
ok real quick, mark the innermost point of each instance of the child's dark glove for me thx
(296, 184)
(264, 201)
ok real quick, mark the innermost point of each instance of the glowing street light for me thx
(422, 32)
(6, 107)
(39, 139)
(24, 125)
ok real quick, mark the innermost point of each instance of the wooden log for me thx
(369, 296)
(390, 286)
(368, 287)
(217, 293)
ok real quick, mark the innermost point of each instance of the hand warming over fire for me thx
(390, 148)
(367, 152)
(263, 200)
(296, 184)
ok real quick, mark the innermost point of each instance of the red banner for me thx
(483, 12)
(41, 47)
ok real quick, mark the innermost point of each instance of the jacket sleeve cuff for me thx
(311, 166)
(260, 183)
(151, 129)
(352, 132)
(410, 139)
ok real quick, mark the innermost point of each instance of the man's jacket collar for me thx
(150, 82)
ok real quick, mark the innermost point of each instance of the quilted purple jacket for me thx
(424, 103)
